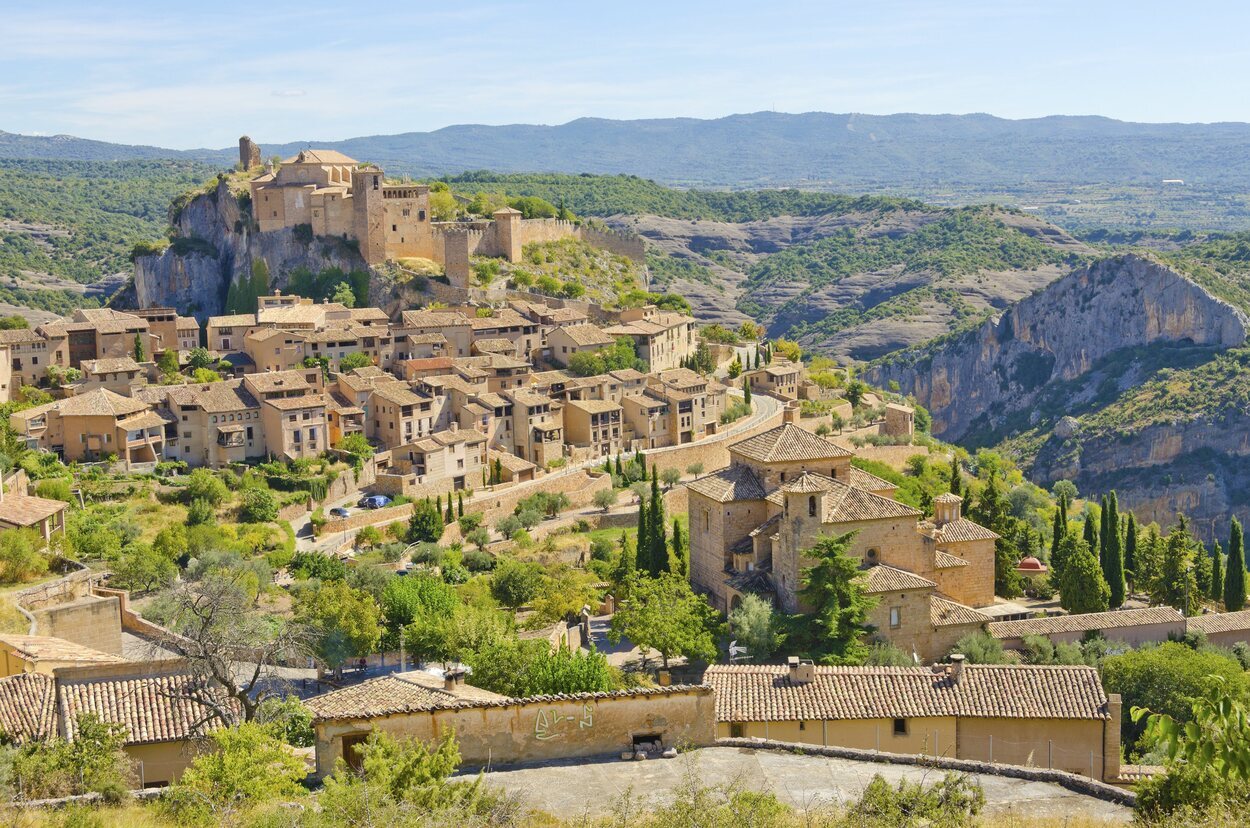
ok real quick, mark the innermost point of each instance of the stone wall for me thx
(91, 621)
(629, 245)
(1076, 783)
(545, 728)
(712, 452)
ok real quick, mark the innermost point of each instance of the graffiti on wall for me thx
(549, 723)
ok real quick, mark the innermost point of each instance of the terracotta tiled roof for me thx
(948, 497)
(28, 707)
(861, 479)
(418, 692)
(765, 693)
(427, 339)
(46, 648)
(888, 579)
(27, 510)
(110, 365)
(144, 419)
(511, 462)
(728, 485)
(277, 381)
(957, 531)
(215, 397)
(320, 156)
(238, 320)
(99, 403)
(152, 708)
(410, 692)
(433, 319)
(302, 401)
(594, 406)
(19, 336)
(944, 612)
(1086, 621)
(846, 504)
(945, 560)
(807, 483)
(628, 375)
(398, 394)
(585, 335)
(494, 346)
(786, 443)
(1219, 622)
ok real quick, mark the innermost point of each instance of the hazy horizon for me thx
(139, 73)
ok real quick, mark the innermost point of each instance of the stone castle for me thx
(336, 195)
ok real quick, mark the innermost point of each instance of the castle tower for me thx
(369, 214)
(249, 153)
(508, 233)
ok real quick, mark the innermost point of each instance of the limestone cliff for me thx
(974, 384)
(215, 244)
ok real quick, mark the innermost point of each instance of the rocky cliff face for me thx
(976, 383)
(215, 246)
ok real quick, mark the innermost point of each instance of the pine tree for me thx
(1082, 587)
(1113, 558)
(1130, 549)
(1235, 575)
(679, 558)
(1216, 592)
(956, 480)
(835, 590)
(657, 526)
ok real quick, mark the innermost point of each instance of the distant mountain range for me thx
(765, 149)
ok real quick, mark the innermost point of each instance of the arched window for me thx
(811, 506)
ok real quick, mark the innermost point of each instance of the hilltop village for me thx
(534, 529)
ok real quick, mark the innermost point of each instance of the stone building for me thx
(491, 728)
(751, 523)
(1039, 716)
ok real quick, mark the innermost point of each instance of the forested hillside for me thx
(65, 224)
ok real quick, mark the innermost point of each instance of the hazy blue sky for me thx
(187, 75)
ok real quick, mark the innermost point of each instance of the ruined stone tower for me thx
(369, 213)
(249, 153)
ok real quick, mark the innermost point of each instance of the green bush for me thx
(259, 506)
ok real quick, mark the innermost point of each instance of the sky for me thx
(186, 75)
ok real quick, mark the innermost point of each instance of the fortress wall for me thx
(629, 245)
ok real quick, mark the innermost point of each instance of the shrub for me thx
(470, 522)
(206, 486)
(55, 488)
(476, 560)
(21, 557)
(259, 506)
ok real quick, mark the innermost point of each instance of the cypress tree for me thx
(1235, 576)
(678, 561)
(1091, 534)
(438, 505)
(1057, 530)
(1216, 592)
(956, 478)
(627, 565)
(746, 391)
(657, 526)
(1130, 548)
(1063, 512)
(1113, 567)
(643, 543)
(460, 505)
(1103, 513)
(450, 516)
(619, 472)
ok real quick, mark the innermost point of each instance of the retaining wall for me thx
(1071, 781)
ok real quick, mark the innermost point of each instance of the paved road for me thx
(804, 782)
(764, 407)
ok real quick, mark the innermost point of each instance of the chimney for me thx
(957, 667)
(801, 671)
(453, 680)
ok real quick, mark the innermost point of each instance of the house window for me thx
(900, 727)
(706, 519)
(811, 506)
(783, 474)
(735, 730)
(896, 617)
(802, 725)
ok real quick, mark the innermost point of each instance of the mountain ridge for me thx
(817, 149)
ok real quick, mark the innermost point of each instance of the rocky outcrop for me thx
(215, 245)
(978, 381)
